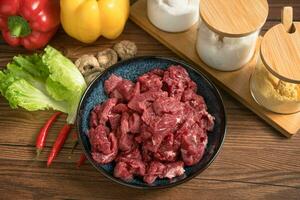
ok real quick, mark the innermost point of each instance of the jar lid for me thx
(234, 18)
(280, 48)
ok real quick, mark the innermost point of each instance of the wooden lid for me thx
(280, 48)
(234, 18)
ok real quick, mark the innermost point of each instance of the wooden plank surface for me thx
(256, 162)
(235, 83)
(218, 16)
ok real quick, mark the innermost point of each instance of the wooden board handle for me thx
(287, 18)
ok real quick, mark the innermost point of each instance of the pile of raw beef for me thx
(151, 128)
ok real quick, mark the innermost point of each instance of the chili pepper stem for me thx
(75, 144)
(38, 152)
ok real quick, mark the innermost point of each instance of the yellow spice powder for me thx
(276, 95)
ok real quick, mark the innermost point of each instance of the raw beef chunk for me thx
(151, 128)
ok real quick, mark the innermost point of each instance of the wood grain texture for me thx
(287, 16)
(221, 16)
(235, 83)
(280, 49)
(256, 162)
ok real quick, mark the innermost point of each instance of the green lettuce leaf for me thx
(5, 81)
(58, 91)
(32, 64)
(40, 82)
(63, 70)
(65, 81)
(22, 94)
(17, 71)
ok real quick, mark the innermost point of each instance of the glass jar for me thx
(275, 82)
(173, 15)
(272, 93)
(225, 53)
(228, 32)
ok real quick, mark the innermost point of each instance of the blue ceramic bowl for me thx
(131, 69)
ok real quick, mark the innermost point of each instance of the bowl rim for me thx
(169, 185)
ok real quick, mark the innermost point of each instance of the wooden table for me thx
(256, 162)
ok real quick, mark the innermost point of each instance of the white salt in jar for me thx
(228, 32)
(173, 15)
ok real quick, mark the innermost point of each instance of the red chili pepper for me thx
(41, 138)
(81, 160)
(30, 23)
(59, 142)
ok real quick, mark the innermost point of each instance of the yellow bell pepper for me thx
(86, 20)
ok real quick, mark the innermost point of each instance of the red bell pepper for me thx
(30, 23)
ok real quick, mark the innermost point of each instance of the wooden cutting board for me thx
(235, 83)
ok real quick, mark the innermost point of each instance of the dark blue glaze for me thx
(131, 69)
